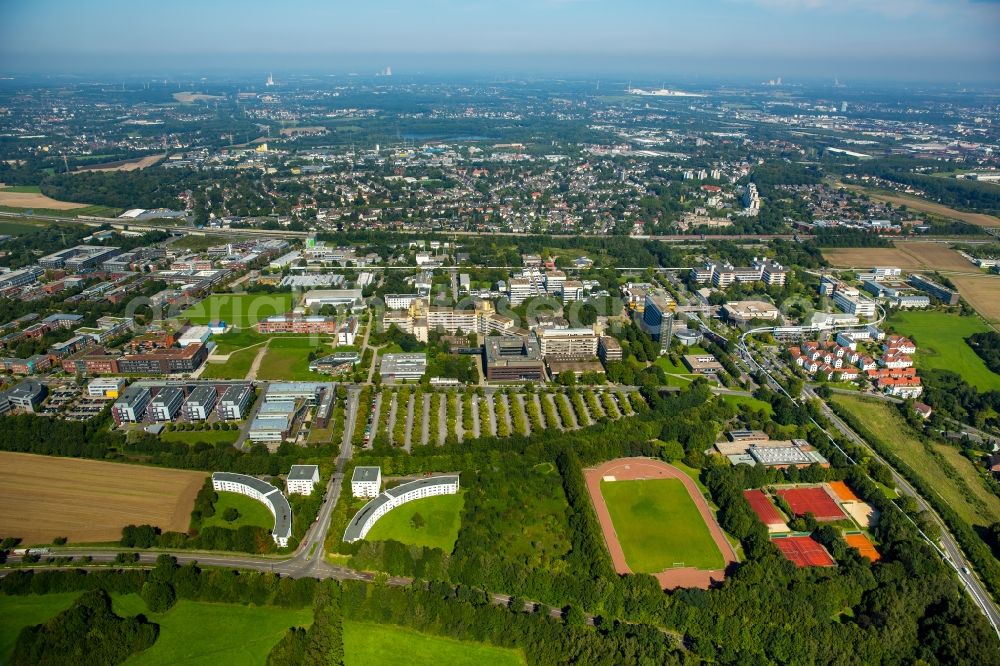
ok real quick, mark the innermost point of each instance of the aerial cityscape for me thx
(529, 333)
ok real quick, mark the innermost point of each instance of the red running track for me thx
(631, 469)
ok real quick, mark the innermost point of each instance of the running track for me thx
(628, 469)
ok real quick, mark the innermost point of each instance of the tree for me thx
(158, 595)
(417, 521)
(230, 514)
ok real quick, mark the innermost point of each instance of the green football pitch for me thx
(659, 526)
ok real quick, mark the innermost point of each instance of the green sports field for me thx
(442, 516)
(251, 511)
(366, 644)
(238, 310)
(940, 339)
(190, 633)
(659, 526)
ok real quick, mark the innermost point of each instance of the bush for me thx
(158, 595)
(230, 514)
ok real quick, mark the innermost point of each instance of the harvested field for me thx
(633, 469)
(127, 165)
(983, 293)
(35, 200)
(906, 255)
(924, 206)
(90, 500)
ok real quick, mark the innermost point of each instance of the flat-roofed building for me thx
(234, 402)
(397, 367)
(609, 349)
(302, 479)
(400, 301)
(938, 291)
(131, 406)
(80, 258)
(105, 387)
(166, 404)
(20, 278)
(391, 498)
(27, 395)
(269, 428)
(745, 311)
(658, 319)
(200, 403)
(366, 481)
(568, 343)
(513, 358)
(702, 364)
(317, 298)
(294, 323)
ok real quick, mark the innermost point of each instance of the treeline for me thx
(987, 346)
(972, 545)
(146, 188)
(950, 395)
(186, 582)
(88, 632)
(31, 433)
(836, 237)
(322, 644)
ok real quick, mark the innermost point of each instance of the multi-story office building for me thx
(131, 406)
(292, 323)
(513, 358)
(200, 403)
(20, 278)
(234, 402)
(166, 404)
(568, 343)
(658, 319)
(264, 493)
(938, 291)
(397, 367)
(400, 301)
(80, 258)
(164, 361)
(609, 349)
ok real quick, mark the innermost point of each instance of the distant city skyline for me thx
(905, 40)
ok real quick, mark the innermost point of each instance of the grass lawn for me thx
(96, 211)
(26, 189)
(366, 644)
(239, 634)
(251, 511)
(668, 367)
(750, 401)
(236, 340)
(951, 475)
(27, 611)
(288, 358)
(193, 436)
(194, 632)
(238, 310)
(940, 339)
(659, 525)
(442, 515)
(9, 228)
(236, 367)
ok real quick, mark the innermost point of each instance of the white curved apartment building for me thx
(264, 493)
(389, 499)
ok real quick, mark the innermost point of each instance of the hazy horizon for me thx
(897, 40)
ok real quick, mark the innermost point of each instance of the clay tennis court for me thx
(766, 511)
(634, 469)
(813, 500)
(843, 491)
(803, 551)
(864, 546)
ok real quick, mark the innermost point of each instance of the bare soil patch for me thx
(129, 165)
(35, 200)
(89, 500)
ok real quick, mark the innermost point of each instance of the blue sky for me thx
(945, 40)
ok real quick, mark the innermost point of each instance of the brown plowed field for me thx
(631, 469)
(43, 497)
(906, 255)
